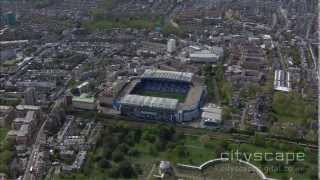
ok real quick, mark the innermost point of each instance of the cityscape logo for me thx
(286, 157)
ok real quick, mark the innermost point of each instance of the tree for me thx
(152, 150)
(4, 168)
(312, 136)
(207, 70)
(130, 138)
(219, 152)
(123, 148)
(117, 156)
(126, 170)
(133, 152)
(313, 173)
(181, 151)
(224, 144)
(259, 140)
(219, 73)
(149, 134)
(160, 144)
(226, 113)
(137, 135)
(204, 139)
(114, 172)
(166, 132)
(104, 163)
(137, 168)
(107, 152)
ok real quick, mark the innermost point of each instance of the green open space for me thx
(293, 108)
(129, 22)
(10, 62)
(3, 134)
(225, 171)
(6, 152)
(180, 97)
(102, 22)
(10, 101)
(131, 152)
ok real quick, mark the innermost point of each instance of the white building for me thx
(282, 80)
(210, 55)
(211, 115)
(83, 87)
(171, 45)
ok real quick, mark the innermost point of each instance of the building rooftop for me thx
(282, 80)
(4, 110)
(212, 113)
(203, 55)
(172, 75)
(27, 107)
(148, 101)
(83, 84)
(27, 119)
(84, 98)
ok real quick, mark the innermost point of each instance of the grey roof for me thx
(27, 119)
(172, 75)
(24, 130)
(148, 101)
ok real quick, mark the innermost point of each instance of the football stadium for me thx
(162, 96)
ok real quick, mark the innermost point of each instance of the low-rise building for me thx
(25, 124)
(210, 55)
(282, 80)
(84, 102)
(77, 164)
(211, 116)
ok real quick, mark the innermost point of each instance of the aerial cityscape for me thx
(159, 89)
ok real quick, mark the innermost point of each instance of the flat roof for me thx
(212, 113)
(83, 99)
(172, 75)
(5, 108)
(203, 55)
(83, 84)
(27, 107)
(148, 101)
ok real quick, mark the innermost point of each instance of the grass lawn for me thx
(178, 96)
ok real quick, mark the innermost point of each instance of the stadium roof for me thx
(172, 75)
(148, 101)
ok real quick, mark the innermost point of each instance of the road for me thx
(34, 153)
(36, 147)
(314, 59)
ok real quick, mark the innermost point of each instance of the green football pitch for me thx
(180, 97)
